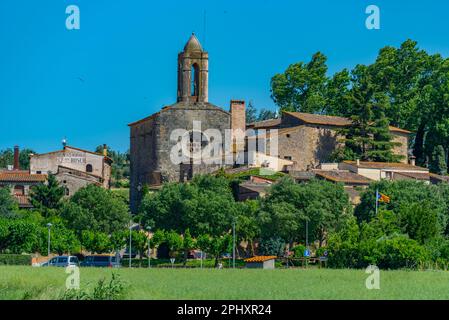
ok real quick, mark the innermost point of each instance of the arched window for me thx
(194, 80)
(89, 168)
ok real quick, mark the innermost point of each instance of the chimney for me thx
(412, 160)
(238, 122)
(358, 162)
(105, 150)
(16, 158)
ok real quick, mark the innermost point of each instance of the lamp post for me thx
(49, 227)
(233, 244)
(130, 242)
(149, 248)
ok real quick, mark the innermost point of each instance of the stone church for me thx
(151, 142)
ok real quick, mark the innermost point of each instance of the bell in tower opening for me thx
(193, 68)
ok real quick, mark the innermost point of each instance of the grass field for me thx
(49, 283)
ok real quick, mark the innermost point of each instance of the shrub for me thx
(112, 290)
(15, 259)
(272, 247)
(299, 250)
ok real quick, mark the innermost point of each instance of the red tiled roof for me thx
(414, 175)
(73, 148)
(386, 165)
(342, 176)
(21, 176)
(260, 258)
(311, 118)
(265, 124)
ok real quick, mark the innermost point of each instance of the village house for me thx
(309, 139)
(74, 168)
(20, 181)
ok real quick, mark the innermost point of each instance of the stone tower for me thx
(193, 71)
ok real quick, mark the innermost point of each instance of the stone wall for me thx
(310, 145)
(151, 145)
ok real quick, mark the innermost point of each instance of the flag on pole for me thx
(383, 197)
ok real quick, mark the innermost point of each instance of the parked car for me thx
(101, 261)
(61, 261)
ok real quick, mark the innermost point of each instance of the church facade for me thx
(152, 143)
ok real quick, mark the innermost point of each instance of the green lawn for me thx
(49, 283)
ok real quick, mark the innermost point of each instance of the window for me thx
(89, 168)
(38, 172)
(194, 80)
(288, 157)
(288, 135)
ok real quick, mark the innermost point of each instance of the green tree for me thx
(120, 166)
(174, 242)
(302, 87)
(420, 221)
(251, 113)
(288, 205)
(100, 210)
(96, 242)
(63, 240)
(404, 195)
(8, 206)
(247, 225)
(47, 197)
(215, 246)
(206, 205)
(266, 114)
(437, 162)
(7, 158)
(368, 137)
(188, 243)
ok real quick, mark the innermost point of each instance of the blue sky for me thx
(126, 54)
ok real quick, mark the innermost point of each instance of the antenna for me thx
(204, 28)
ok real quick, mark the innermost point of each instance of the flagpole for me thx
(377, 200)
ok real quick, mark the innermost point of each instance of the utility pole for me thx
(377, 200)
(130, 242)
(149, 247)
(49, 241)
(233, 244)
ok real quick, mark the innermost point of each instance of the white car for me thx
(61, 261)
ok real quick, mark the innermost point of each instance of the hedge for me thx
(15, 259)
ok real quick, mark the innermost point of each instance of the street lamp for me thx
(233, 243)
(149, 248)
(49, 227)
(130, 242)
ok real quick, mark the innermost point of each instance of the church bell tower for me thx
(193, 67)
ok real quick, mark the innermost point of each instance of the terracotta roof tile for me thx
(311, 118)
(413, 175)
(21, 176)
(342, 176)
(386, 165)
(260, 258)
(264, 124)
